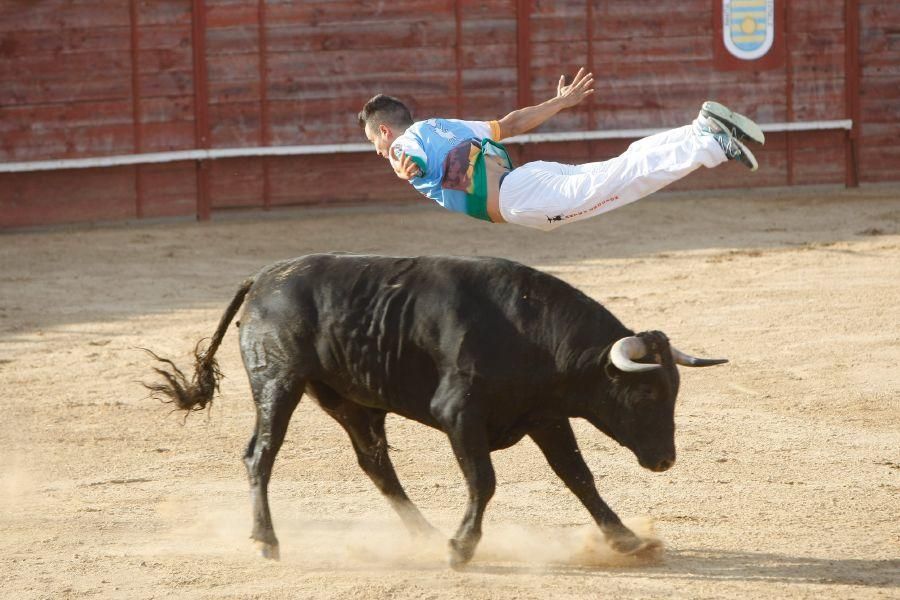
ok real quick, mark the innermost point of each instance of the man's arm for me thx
(526, 119)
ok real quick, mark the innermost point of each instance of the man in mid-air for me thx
(461, 166)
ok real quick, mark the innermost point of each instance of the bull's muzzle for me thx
(663, 465)
(658, 465)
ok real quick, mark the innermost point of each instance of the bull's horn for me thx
(624, 352)
(687, 360)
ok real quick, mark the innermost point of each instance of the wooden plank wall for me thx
(94, 77)
(164, 106)
(879, 99)
(655, 68)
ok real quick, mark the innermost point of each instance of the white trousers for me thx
(545, 195)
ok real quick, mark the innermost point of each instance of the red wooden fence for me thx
(101, 78)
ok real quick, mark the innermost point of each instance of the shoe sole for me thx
(754, 164)
(743, 127)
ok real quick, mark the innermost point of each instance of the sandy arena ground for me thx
(788, 479)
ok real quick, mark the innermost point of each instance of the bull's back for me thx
(386, 329)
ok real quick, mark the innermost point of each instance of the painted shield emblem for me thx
(748, 27)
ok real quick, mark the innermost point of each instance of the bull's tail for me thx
(198, 392)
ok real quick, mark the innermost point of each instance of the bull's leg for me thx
(275, 403)
(466, 429)
(557, 441)
(365, 426)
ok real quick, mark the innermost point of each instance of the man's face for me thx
(381, 136)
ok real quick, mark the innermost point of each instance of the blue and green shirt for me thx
(450, 156)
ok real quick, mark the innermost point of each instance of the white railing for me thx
(215, 153)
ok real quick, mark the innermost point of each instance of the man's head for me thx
(383, 118)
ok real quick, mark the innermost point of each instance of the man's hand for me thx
(405, 167)
(525, 119)
(580, 88)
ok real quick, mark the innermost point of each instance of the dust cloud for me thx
(376, 542)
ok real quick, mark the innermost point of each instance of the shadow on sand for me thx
(718, 565)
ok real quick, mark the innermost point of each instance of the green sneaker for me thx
(739, 126)
(734, 149)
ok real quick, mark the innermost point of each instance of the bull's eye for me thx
(646, 392)
(646, 397)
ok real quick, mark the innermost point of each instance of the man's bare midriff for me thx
(494, 169)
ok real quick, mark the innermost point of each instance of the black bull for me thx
(485, 350)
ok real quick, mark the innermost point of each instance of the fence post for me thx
(201, 105)
(851, 78)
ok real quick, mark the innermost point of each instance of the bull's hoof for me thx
(267, 550)
(460, 554)
(631, 545)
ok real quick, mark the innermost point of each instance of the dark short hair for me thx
(385, 109)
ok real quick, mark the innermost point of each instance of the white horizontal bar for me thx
(619, 134)
(178, 155)
(101, 161)
(214, 153)
(289, 150)
(580, 136)
(808, 125)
